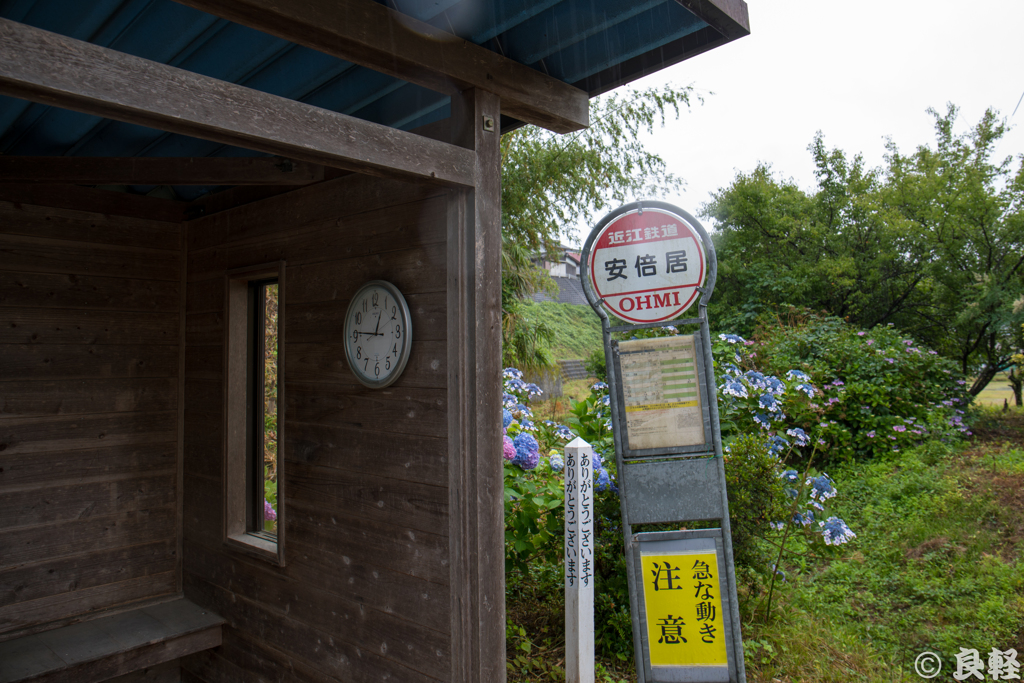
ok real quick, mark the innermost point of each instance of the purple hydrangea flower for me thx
(508, 449)
(269, 514)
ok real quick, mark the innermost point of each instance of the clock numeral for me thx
(394, 312)
(366, 364)
(395, 349)
(355, 335)
(376, 297)
(385, 302)
(387, 363)
(366, 306)
(359, 353)
(398, 331)
(359, 318)
(376, 370)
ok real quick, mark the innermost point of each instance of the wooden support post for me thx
(476, 484)
(579, 562)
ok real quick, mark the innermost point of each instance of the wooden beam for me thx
(51, 69)
(729, 17)
(366, 33)
(158, 171)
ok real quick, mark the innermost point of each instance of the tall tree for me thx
(550, 183)
(933, 243)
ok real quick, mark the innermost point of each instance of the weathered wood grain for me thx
(159, 170)
(402, 410)
(58, 609)
(76, 361)
(95, 533)
(52, 505)
(75, 326)
(309, 645)
(107, 202)
(32, 398)
(325, 203)
(64, 575)
(374, 234)
(107, 463)
(43, 255)
(74, 432)
(51, 69)
(394, 636)
(204, 362)
(204, 329)
(411, 50)
(84, 226)
(419, 507)
(168, 672)
(63, 290)
(410, 458)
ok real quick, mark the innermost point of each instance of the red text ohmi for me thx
(639, 303)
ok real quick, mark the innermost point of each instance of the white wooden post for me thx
(579, 562)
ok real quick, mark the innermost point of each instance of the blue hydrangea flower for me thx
(798, 375)
(509, 401)
(807, 389)
(563, 432)
(805, 517)
(527, 455)
(756, 379)
(603, 482)
(599, 386)
(732, 338)
(556, 463)
(799, 436)
(777, 444)
(835, 531)
(822, 487)
(734, 387)
(769, 403)
(512, 373)
(775, 386)
(533, 390)
(730, 369)
(762, 420)
(790, 475)
(506, 419)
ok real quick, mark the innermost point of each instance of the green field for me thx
(997, 391)
(577, 328)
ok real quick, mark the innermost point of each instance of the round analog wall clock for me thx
(378, 334)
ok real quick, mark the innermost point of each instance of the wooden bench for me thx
(104, 648)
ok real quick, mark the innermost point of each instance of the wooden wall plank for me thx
(54, 611)
(396, 409)
(106, 202)
(395, 636)
(159, 170)
(74, 432)
(311, 646)
(326, 203)
(64, 290)
(52, 505)
(75, 326)
(52, 69)
(413, 458)
(87, 570)
(399, 502)
(96, 533)
(71, 361)
(82, 226)
(107, 463)
(168, 672)
(405, 227)
(32, 398)
(39, 255)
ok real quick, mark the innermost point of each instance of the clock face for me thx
(378, 334)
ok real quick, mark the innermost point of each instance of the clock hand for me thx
(378, 322)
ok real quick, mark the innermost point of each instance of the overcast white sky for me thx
(857, 71)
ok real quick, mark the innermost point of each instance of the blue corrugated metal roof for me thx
(570, 40)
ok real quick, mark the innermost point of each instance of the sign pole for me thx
(646, 263)
(579, 562)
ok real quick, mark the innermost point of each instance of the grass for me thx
(937, 565)
(997, 391)
(577, 328)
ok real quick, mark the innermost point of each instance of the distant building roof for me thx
(570, 291)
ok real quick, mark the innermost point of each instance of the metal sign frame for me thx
(669, 485)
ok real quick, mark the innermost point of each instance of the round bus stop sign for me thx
(646, 264)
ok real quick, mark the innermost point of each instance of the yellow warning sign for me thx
(685, 624)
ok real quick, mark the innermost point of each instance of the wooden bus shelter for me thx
(154, 155)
